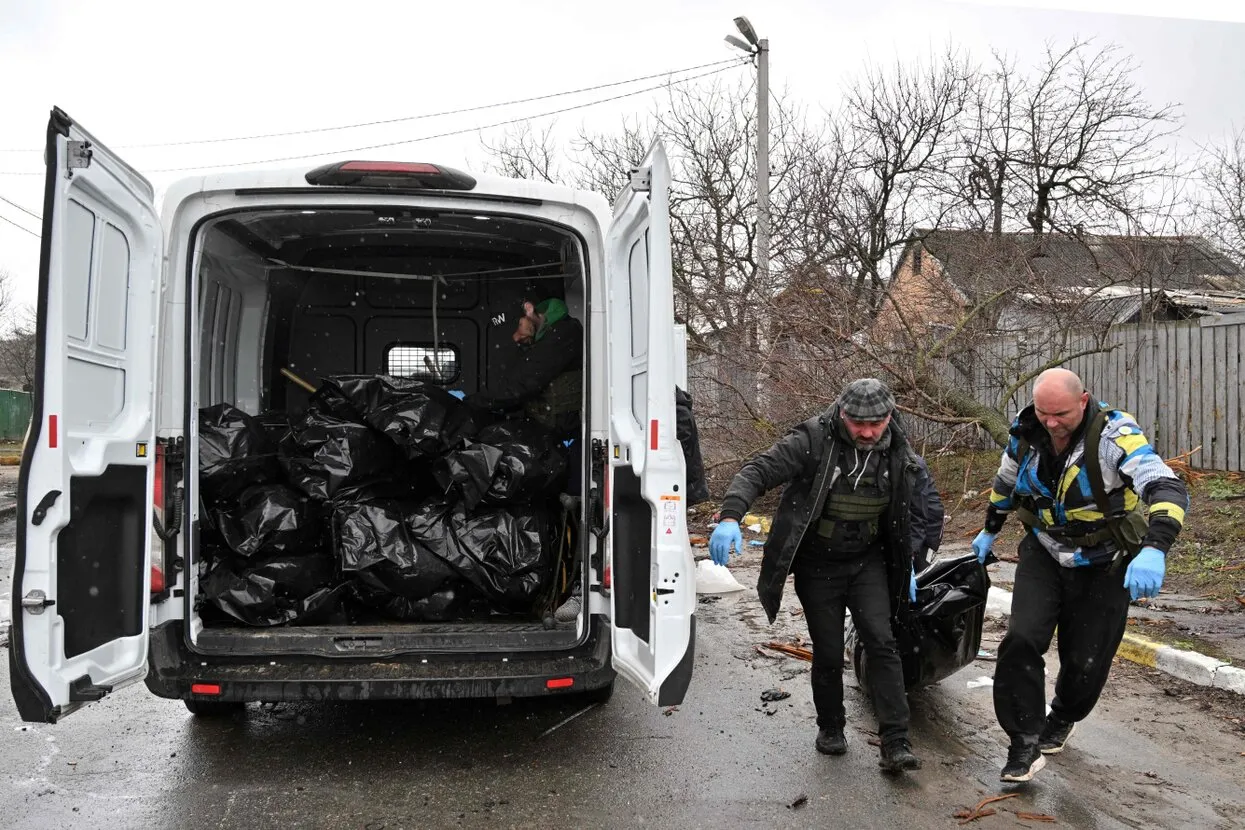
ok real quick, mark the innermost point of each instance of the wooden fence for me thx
(1183, 382)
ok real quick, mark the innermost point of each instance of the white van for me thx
(144, 319)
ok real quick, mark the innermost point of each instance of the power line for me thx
(20, 227)
(451, 132)
(315, 130)
(22, 209)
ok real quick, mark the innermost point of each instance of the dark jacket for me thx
(928, 515)
(689, 440)
(560, 349)
(804, 460)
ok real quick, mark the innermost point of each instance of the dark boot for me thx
(897, 756)
(831, 741)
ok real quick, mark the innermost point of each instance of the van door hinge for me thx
(36, 601)
(641, 179)
(83, 690)
(79, 154)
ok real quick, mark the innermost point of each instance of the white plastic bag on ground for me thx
(715, 579)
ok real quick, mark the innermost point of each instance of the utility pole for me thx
(759, 49)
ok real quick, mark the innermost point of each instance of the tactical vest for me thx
(1125, 529)
(852, 515)
(561, 397)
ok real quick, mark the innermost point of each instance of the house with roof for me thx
(1023, 281)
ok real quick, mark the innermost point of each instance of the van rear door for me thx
(80, 592)
(653, 593)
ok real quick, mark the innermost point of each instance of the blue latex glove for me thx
(982, 545)
(724, 535)
(912, 587)
(458, 393)
(1144, 576)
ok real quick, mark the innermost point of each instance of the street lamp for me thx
(759, 48)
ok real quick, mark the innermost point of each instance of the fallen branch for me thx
(965, 816)
(1035, 816)
(1237, 567)
(793, 651)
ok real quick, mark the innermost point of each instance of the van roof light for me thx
(391, 174)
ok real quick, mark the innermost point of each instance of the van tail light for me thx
(391, 174)
(560, 683)
(607, 579)
(157, 580)
(205, 689)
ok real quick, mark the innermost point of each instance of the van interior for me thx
(409, 293)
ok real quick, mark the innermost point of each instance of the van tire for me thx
(214, 708)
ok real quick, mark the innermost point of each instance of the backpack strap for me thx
(1092, 463)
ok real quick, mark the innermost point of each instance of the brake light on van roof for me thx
(391, 174)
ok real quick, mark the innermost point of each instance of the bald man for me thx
(1081, 561)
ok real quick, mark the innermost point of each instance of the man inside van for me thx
(546, 382)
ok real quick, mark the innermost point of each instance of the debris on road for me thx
(770, 695)
(965, 816)
(799, 802)
(792, 651)
(1035, 817)
(567, 720)
(982, 682)
(670, 711)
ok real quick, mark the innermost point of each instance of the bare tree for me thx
(1073, 145)
(17, 338)
(1223, 208)
(522, 153)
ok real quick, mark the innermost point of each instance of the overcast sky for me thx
(137, 72)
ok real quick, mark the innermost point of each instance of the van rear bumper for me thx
(173, 669)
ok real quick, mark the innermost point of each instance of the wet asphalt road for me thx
(1146, 758)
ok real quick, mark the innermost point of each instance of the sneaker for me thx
(831, 741)
(897, 756)
(1023, 762)
(568, 611)
(1055, 735)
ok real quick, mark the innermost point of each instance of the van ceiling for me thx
(298, 236)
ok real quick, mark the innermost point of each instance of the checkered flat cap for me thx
(867, 399)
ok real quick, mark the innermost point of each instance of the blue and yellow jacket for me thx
(1132, 472)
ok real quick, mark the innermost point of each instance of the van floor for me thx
(498, 634)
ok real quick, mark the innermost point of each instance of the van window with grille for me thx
(424, 362)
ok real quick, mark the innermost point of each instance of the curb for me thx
(1186, 665)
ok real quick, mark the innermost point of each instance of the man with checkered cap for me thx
(844, 528)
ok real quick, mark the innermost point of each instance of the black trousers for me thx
(827, 586)
(1090, 607)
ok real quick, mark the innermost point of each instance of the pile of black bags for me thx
(389, 496)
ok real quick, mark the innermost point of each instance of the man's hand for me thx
(983, 544)
(1144, 576)
(724, 535)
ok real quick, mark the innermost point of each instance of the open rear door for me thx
(84, 503)
(653, 595)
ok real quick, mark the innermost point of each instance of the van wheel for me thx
(601, 695)
(214, 708)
